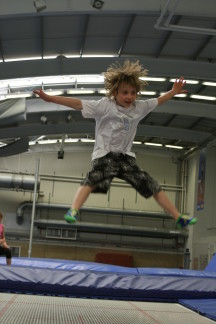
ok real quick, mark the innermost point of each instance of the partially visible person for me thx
(4, 248)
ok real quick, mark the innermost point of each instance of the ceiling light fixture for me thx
(2, 97)
(98, 55)
(71, 56)
(50, 57)
(187, 81)
(137, 143)
(54, 92)
(97, 4)
(72, 140)
(148, 93)
(39, 5)
(153, 144)
(203, 97)
(153, 79)
(43, 120)
(17, 59)
(182, 95)
(43, 142)
(174, 147)
(87, 140)
(102, 91)
(18, 95)
(80, 91)
(210, 84)
(69, 117)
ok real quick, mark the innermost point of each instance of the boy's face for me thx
(125, 95)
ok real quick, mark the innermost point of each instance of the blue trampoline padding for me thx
(205, 307)
(68, 265)
(93, 266)
(96, 280)
(212, 264)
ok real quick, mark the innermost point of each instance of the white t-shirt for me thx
(116, 126)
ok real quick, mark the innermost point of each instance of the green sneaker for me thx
(185, 220)
(71, 215)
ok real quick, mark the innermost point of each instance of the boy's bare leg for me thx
(81, 196)
(182, 220)
(79, 199)
(166, 204)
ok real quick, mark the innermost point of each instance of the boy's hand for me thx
(42, 95)
(176, 89)
(178, 86)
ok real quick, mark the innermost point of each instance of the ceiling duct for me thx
(115, 229)
(103, 228)
(91, 210)
(18, 182)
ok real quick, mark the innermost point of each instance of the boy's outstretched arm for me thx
(176, 89)
(65, 101)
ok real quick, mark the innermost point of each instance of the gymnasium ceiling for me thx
(170, 38)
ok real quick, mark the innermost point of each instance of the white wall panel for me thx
(59, 180)
(77, 164)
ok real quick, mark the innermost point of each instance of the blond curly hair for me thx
(128, 72)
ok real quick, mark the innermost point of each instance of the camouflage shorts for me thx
(121, 166)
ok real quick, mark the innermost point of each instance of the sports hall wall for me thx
(59, 179)
(202, 239)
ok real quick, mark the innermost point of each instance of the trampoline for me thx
(88, 280)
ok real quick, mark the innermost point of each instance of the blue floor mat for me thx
(205, 307)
